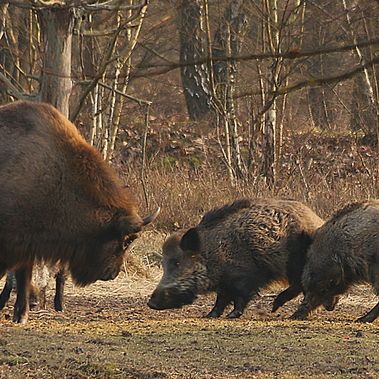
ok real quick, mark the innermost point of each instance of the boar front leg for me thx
(240, 303)
(370, 316)
(305, 308)
(288, 294)
(222, 301)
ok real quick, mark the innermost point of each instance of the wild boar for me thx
(235, 250)
(344, 252)
(59, 201)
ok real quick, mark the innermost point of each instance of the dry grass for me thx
(184, 196)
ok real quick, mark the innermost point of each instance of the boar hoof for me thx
(298, 316)
(213, 314)
(365, 318)
(234, 314)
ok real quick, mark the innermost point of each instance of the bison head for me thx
(184, 272)
(102, 256)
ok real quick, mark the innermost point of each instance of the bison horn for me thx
(147, 220)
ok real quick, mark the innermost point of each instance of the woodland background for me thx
(197, 102)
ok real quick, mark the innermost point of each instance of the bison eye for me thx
(128, 240)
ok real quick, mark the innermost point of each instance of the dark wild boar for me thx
(344, 252)
(59, 201)
(235, 251)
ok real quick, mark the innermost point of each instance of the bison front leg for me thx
(60, 280)
(23, 283)
(222, 301)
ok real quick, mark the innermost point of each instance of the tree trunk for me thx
(270, 117)
(56, 86)
(192, 48)
(320, 98)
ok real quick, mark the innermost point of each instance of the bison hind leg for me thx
(288, 294)
(8, 286)
(23, 282)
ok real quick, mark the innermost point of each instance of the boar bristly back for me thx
(344, 252)
(235, 250)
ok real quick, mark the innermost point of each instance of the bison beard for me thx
(59, 201)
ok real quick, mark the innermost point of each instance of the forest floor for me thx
(107, 331)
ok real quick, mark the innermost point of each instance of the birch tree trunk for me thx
(270, 117)
(56, 85)
(192, 48)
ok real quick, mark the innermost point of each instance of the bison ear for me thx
(126, 224)
(190, 241)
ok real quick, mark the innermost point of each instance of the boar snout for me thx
(168, 298)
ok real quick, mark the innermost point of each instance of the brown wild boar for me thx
(235, 251)
(59, 201)
(344, 252)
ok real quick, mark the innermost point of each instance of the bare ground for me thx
(107, 331)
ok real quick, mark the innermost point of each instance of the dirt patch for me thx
(107, 331)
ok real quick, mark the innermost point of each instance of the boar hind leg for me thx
(288, 294)
(222, 301)
(371, 315)
(23, 282)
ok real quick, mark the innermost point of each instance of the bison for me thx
(236, 250)
(59, 201)
(344, 252)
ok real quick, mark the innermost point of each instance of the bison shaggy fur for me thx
(59, 201)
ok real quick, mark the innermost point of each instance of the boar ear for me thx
(190, 241)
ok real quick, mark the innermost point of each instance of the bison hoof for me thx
(20, 319)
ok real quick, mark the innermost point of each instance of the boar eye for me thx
(175, 263)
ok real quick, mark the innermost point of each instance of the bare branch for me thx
(12, 90)
(112, 5)
(164, 68)
(139, 101)
(109, 5)
(314, 82)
